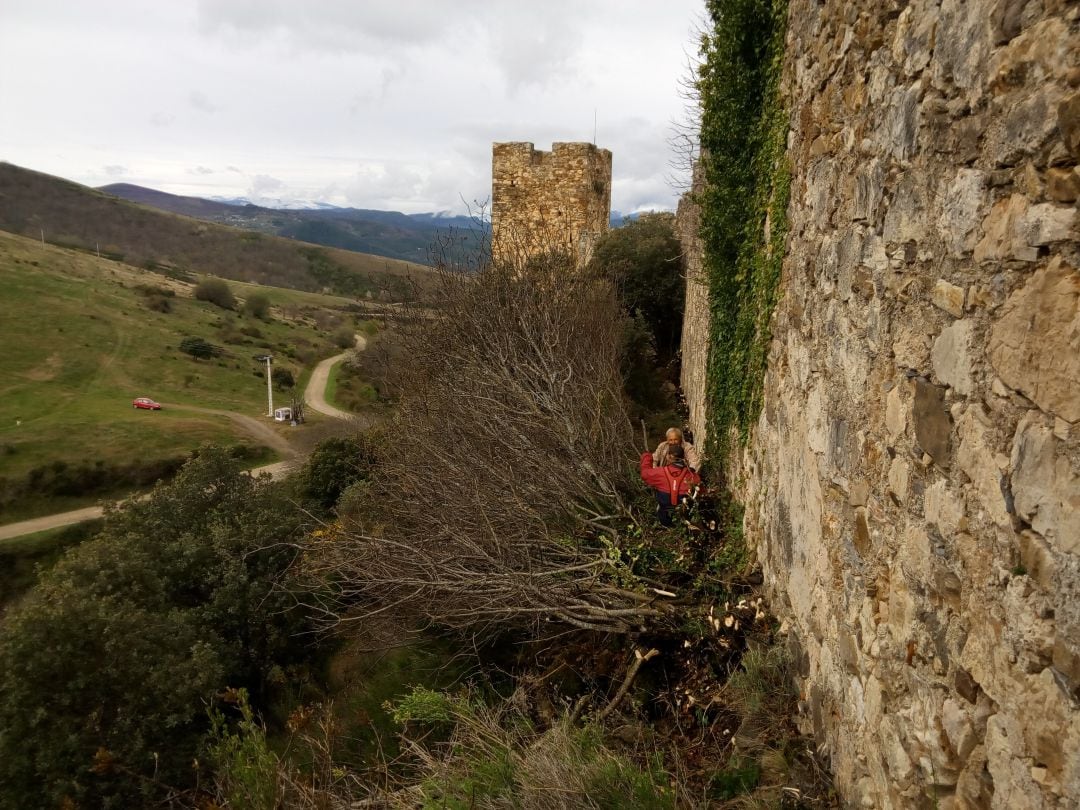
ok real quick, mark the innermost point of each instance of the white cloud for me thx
(263, 184)
(382, 105)
(200, 102)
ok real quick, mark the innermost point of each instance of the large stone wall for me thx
(913, 483)
(544, 200)
(695, 332)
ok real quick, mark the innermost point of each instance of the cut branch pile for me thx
(503, 486)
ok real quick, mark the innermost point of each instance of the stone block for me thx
(953, 356)
(948, 297)
(1046, 484)
(961, 47)
(869, 185)
(1063, 185)
(1004, 231)
(1068, 122)
(911, 349)
(978, 458)
(899, 472)
(1047, 223)
(943, 508)
(956, 722)
(1026, 127)
(902, 122)
(959, 219)
(1066, 660)
(1037, 559)
(933, 425)
(895, 413)
(1035, 345)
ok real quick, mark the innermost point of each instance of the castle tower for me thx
(542, 201)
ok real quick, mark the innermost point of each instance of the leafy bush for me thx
(646, 385)
(334, 466)
(257, 305)
(155, 291)
(283, 377)
(156, 297)
(198, 348)
(215, 291)
(105, 668)
(159, 303)
(246, 768)
(344, 337)
(60, 478)
(643, 259)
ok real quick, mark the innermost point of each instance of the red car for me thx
(145, 403)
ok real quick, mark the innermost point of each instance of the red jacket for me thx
(676, 481)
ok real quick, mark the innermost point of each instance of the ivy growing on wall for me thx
(743, 203)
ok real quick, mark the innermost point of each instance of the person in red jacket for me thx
(671, 482)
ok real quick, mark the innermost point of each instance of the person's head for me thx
(675, 455)
(674, 436)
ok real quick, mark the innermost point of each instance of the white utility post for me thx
(269, 388)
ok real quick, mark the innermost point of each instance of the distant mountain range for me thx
(382, 233)
(180, 241)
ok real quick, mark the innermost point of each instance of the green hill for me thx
(63, 213)
(82, 337)
(383, 233)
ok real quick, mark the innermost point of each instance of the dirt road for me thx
(277, 471)
(253, 427)
(314, 395)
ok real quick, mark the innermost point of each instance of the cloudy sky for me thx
(389, 104)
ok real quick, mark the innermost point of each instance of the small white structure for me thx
(283, 415)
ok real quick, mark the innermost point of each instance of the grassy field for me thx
(81, 342)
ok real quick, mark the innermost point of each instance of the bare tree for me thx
(685, 136)
(502, 493)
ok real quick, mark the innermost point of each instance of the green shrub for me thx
(283, 377)
(246, 769)
(198, 348)
(643, 259)
(334, 466)
(257, 305)
(106, 667)
(216, 292)
(64, 479)
(344, 337)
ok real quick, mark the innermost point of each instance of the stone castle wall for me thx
(913, 483)
(543, 200)
(694, 362)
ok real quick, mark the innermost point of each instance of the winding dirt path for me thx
(253, 427)
(314, 395)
